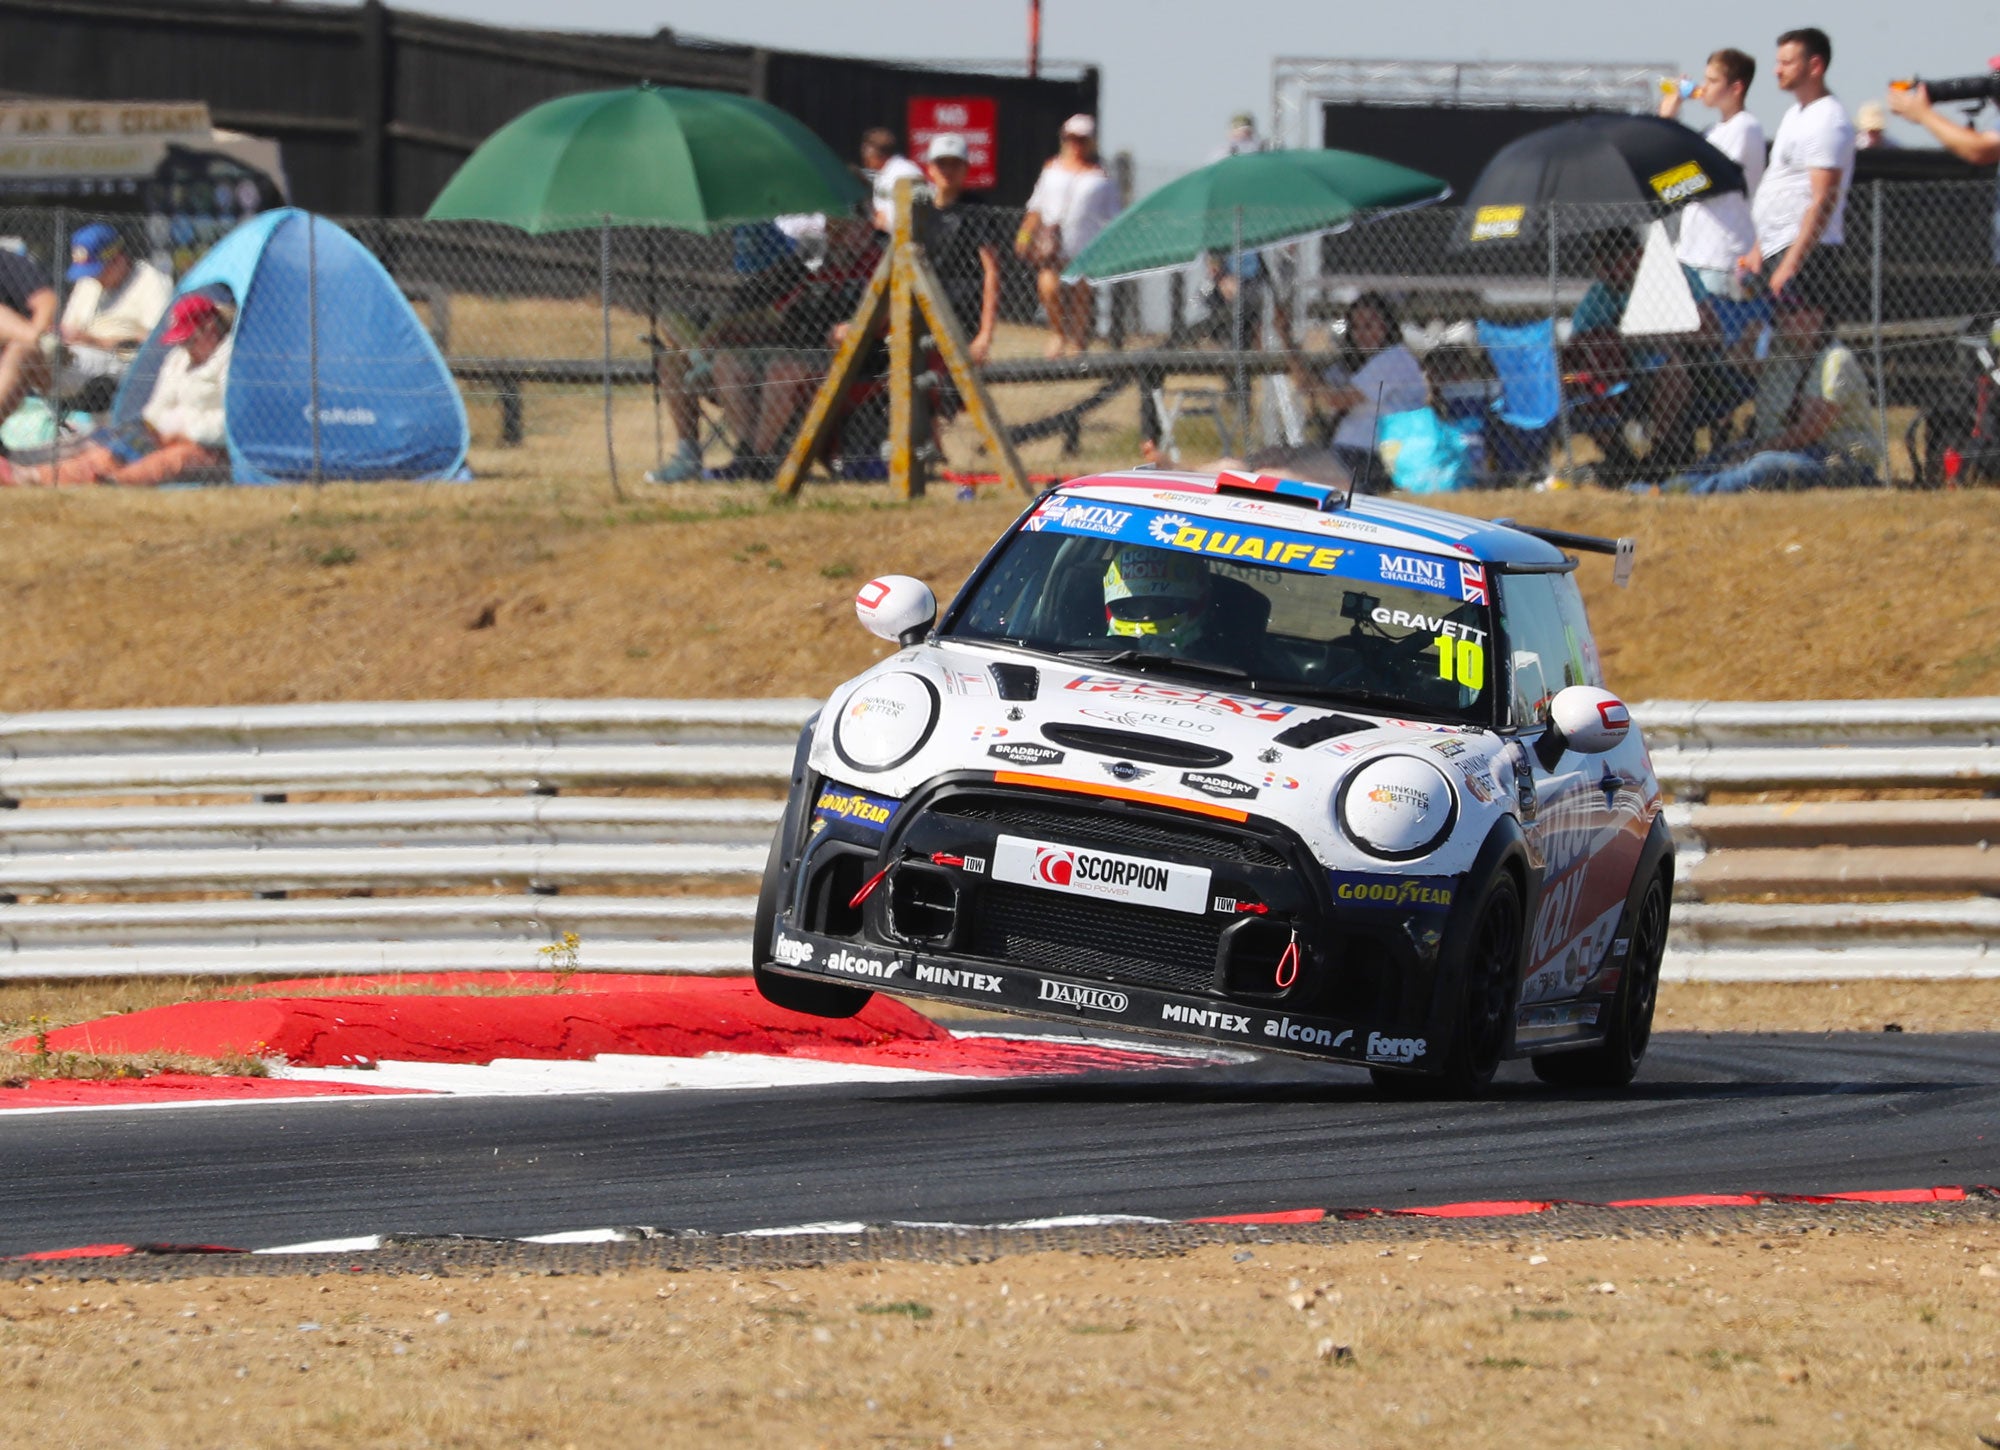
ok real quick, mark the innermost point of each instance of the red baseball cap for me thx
(188, 313)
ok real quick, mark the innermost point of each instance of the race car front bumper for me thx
(1037, 992)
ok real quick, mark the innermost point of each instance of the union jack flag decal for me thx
(1472, 583)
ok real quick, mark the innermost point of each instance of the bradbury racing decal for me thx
(1680, 182)
(1249, 543)
(1392, 893)
(1025, 752)
(1222, 787)
(1079, 872)
(856, 806)
(1094, 999)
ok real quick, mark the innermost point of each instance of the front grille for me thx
(1105, 825)
(1139, 945)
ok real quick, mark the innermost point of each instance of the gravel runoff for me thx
(686, 1250)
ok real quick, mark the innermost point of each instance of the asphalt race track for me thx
(1711, 1113)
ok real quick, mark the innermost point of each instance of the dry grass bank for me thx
(1878, 1339)
(540, 586)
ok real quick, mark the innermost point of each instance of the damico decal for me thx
(1049, 866)
(1090, 999)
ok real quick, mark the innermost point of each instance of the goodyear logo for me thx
(1680, 183)
(866, 809)
(1265, 548)
(1497, 223)
(1407, 893)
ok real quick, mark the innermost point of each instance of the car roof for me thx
(1285, 503)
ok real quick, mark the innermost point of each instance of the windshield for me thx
(1313, 617)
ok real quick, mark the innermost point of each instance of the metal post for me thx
(1875, 311)
(312, 342)
(1240, 383)
(1555, 306)
(604, 287)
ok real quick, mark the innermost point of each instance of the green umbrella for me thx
(647, 156)
(1254, 200)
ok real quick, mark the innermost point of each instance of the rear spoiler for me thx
(1621, 550)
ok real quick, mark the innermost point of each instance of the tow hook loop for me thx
(1288, 964)
(867, 889)
(945, 858)
(1256, 907)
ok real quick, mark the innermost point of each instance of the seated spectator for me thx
(1073, 201)
(883, 160)
(1629, 389)
(762, 358)
(1823, 435)
(113, 309)
(181, 431)
(1377, 376)
(27, 312)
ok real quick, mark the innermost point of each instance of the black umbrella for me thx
(1601, 160)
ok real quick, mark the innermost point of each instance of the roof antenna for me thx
(1374, 437)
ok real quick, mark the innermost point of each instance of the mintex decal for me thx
(856, 806)
(1392, 893)
(1265, 547)
(1076, 871)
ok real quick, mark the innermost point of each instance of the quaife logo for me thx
(791, 951)
(1394, 1049)
(859, 966)
(1091, 999)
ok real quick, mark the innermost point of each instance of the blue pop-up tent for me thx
(387, 405)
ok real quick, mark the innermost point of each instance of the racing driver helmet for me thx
(1156, 596)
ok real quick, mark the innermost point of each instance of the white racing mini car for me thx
(1243, 760)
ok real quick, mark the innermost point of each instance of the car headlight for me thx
(1397, 807)
(886, 721)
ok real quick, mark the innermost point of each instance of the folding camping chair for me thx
(1532, 403)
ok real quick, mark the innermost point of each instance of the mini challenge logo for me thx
(1413, 571)
(1082, 518)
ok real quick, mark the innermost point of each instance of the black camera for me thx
(1957, 88)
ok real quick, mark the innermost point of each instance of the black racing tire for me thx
(1614, 1062)
(1488, 977)
(815, 999)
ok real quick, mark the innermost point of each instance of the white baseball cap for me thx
(1080, 125)
(949, 145)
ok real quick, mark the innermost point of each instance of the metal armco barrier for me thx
(127, 808)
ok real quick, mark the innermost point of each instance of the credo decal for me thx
(1076, 871)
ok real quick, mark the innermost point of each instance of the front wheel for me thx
(1485, 998)
(1614, 1062)
(815, 999)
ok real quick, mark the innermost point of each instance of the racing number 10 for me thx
(1462, 660)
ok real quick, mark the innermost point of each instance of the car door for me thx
(1583, 808)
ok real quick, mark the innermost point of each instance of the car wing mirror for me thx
(896, 607)
(1585, 719)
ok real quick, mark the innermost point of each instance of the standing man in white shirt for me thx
(1801, 204)
(886, 165)
(1716, 233)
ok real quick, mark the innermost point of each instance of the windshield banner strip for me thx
(1221, 539)
(1118, 793)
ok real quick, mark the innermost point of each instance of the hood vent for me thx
(1127, 746)
(1311, 732)
(1016, 682)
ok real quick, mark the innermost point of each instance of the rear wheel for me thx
(1485, 998)
(1615, 1061)
(815, 999)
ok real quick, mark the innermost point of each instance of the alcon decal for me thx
(1287, 1030)
(855, 965)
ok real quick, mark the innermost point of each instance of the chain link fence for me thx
(1402, 348)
